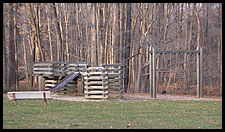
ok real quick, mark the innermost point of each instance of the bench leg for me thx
(45, 100)
(14, 98)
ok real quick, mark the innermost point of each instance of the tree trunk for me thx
(5, 50)
(122, 31)
(49, 37)
(59, 37)
(39, 52)
(67, 59)
(11, 64)
(127, 45)
(93, 36)
(115, 33)
(16, 47)
(106, 43)
(25, 58)
(220, 47)
(114, 28)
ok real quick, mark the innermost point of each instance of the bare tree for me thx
(93, 36)
(11, 62)
(57, 17)
(220, 46)
(113, 33)
(127, 44)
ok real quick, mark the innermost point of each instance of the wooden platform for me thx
(76, 68)
(47, 69)
(96, 83)
(53, 72)
(115, 79)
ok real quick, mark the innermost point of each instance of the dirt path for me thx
(136, 97)
(171, 97)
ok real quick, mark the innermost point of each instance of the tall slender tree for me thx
(127, 45)
(11, 62)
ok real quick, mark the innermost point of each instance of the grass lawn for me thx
(112, 114)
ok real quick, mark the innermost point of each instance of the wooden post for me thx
(45, 100)
(120, 82)
(199, 72)
(150, 71)
(123, 79)
(153, 72)
(14, 98)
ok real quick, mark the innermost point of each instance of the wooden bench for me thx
(30, 95)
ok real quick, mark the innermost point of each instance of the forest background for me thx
(107, 33)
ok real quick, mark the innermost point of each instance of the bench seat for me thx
(28, 95)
